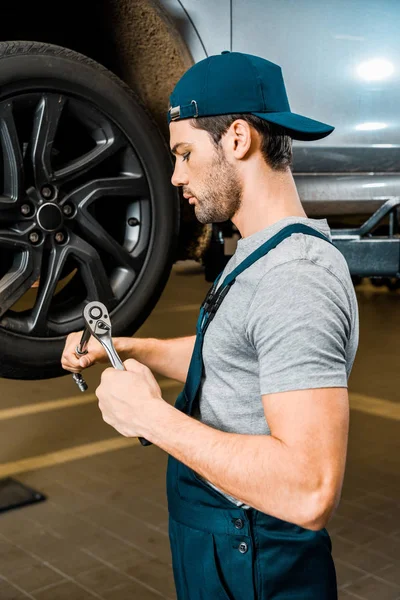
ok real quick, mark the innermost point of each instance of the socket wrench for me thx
(98, 324)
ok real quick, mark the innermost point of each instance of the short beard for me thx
(223, 197)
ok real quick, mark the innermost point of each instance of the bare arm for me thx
(294, 474)
(170, 358)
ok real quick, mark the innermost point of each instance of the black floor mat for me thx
(14, 494)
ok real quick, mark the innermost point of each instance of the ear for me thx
(240, 138)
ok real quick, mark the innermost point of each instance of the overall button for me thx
(238, 523)
(243, 547)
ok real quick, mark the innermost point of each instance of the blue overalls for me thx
(220, 551)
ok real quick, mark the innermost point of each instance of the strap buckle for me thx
(217, 303)
(175, 112)
(214, 305)
(209, 298)
(184, 112)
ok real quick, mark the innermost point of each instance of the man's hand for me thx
(71, 362)
(125, 397)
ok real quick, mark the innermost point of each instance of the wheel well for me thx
(65, 26)
(150, 58)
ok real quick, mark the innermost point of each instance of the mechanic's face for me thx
(204, 172)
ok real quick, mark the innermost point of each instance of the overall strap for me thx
(270, 244)
(214, 297)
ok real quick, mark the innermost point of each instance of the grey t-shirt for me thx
(289, 322)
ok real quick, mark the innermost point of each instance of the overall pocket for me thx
(293, 563)
(196, 574)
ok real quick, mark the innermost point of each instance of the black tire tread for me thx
(23, 47)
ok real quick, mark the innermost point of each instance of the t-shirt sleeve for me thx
(299, 324)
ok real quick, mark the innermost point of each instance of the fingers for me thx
(146, 375)
(86, 360)
(134, 365)
(69, 360)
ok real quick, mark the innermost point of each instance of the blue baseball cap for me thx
(234, 82)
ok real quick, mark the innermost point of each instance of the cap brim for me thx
(297, 126)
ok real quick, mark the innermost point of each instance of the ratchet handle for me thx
(101, 330)
(118, 364)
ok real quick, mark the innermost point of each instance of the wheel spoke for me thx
(132, 186)
(99, 237)
(50, 274)
(13, 176)
(45, 126)
(23, 273)
(104, 149)
(6, 203)
(92, 271)
(13, 239)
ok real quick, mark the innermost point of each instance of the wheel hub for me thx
(49, 217)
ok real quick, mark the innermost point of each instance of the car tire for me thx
(29, 68)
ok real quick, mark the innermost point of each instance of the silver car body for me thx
(340, 62)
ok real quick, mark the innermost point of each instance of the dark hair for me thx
(276, 145)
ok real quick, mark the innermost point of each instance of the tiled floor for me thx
(102, 532)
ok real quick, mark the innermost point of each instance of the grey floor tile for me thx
(388, 546)
(343, 595)
(391, 573)
(13, 524)
(357, 556)
(132, 530)
(340, 545)
(13, 559)
(385, 524)
(372, 588)
(45, 514)
(43, 545)
(164, 527)
(72, 528)
(73, 560)
(347, 574)
(114, 550)
(67, 499)
(381, 503)
(152, 572)
(129, 499)
(336, 522)
(9, 592)
(65, 591)
(392, 490)
(131, 592)
(102, 579)
(81, 424)
(351, 492)
(34, 577)
(98, 490)
(64, 557)
(354, 511)
(359, 533)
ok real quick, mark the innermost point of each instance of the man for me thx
(257, 440)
